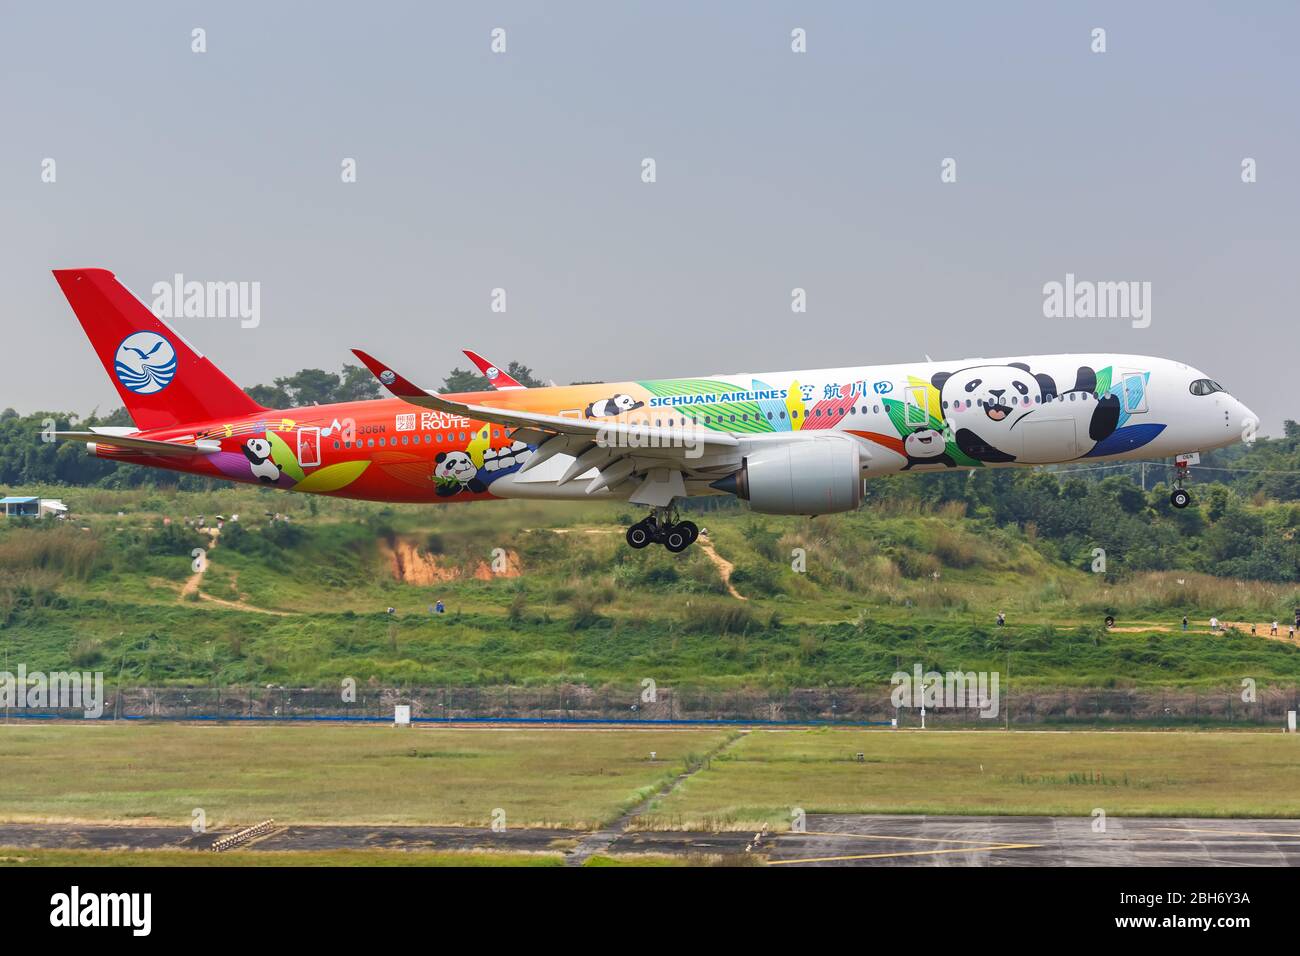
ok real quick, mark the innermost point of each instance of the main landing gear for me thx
(661, 526)
(1180, 497)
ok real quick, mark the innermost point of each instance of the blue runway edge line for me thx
(482, 720)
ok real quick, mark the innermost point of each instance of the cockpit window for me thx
(1205, 386)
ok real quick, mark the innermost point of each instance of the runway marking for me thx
(1259, 833)
(881, 856)
(882, 836)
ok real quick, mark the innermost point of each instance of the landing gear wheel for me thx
(691, 529)
(677, 539)
(639, 535)
(1180, 498)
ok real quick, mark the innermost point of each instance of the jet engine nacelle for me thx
(810, 477)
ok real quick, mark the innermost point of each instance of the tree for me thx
(524, 375)
(313, 386)
(461, 380)
(356, 385)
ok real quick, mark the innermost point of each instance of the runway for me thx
(829, 840)
(855, 840)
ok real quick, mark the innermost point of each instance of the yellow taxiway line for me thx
(881, 856)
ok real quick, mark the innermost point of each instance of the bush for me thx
(756, 579)
(718, 617)
(60, 548)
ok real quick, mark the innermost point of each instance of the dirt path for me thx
(192, 582)
(1261, 630)
(1242, 628)
(724, 566)
(191, 585)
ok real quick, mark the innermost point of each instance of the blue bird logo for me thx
(145, 363)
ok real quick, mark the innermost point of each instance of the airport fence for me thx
(581, 703)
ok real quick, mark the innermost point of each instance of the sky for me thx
(522, 170)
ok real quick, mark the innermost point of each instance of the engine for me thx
(810, 477)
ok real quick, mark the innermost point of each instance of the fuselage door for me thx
(309, 446)
(1133, 392)
(916, 411)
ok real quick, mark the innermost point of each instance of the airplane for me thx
(799, 442)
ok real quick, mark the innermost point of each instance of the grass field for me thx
(304, 603)
(766, 774)
(314, 774)
(145, 773)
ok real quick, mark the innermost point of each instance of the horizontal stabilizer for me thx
(141, 446)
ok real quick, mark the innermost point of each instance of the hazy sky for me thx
(775, 170)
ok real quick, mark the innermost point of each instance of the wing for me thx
(141, 446)
(659, 459)
(500, 380)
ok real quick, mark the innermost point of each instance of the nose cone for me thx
(1246, 420)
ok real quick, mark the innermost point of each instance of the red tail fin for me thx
(161, 379)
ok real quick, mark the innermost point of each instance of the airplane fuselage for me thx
(931, 416)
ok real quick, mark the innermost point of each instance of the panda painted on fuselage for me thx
(986, 404)
(926, 446)
(258, 453)
(456, 472)
(614, 405)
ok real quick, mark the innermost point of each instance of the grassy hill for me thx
(546, 594)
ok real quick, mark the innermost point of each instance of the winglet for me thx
(496, 377)
(396, 384)
(404, 389)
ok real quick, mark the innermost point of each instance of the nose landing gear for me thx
(1180, 497)
(661, 526)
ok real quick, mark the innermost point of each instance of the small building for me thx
(32, 507)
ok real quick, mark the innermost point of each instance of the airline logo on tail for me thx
(145, 363)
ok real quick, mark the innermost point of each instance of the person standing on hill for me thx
(1184, 622)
